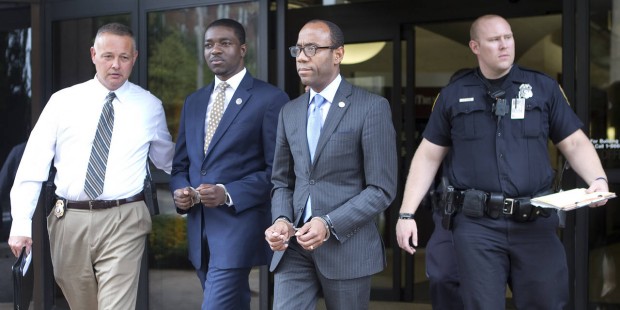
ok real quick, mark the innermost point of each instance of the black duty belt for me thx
(495, 204)
(100, 204)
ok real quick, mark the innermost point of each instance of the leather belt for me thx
(497, 201)
(495, 204)
(100, 204)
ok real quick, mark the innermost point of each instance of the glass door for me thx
(437, 51)
(604, 118)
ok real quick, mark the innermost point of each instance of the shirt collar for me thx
(233, 81)
(120, 92)
(329, 92)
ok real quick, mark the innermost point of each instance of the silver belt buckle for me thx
(508, 206)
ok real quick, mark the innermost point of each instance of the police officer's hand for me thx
(407, 235)
(18, 242)
(599, 185)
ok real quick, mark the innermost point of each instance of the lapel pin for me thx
(238, 101)
(341, 104)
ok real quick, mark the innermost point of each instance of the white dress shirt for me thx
(65, 132)
(233, 84)
(328, 93)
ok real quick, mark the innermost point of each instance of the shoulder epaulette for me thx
(535, 71)
(458, 74)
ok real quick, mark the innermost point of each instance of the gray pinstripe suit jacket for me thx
(353, 177)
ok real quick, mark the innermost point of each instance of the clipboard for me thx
(23, 281)
(571, 199)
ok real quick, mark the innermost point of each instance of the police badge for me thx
(525, 91)
(59, 208)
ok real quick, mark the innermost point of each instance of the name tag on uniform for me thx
(517, 109)
(466, 99)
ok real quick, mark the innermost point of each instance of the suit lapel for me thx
(199, 111)
(239, 100)
(337, 110)
(300, 121)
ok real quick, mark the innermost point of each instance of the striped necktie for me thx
(95, 174)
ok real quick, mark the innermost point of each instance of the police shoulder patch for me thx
(564, 94)
(435, 101)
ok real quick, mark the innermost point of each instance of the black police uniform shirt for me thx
(510, 157)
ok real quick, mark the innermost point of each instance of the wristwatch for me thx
(405, 216)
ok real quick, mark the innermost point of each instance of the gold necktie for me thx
(216, 113)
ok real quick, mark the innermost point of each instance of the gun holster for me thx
(449, 209)
(445, 201)
(48, 191)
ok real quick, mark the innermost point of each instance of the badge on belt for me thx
(59, 208)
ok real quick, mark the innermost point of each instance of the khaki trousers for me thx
(97, 254)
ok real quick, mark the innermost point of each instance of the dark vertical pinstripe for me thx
(352, 179)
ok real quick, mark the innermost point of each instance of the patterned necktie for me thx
(216, 113)
(95, 174)
(315, 123)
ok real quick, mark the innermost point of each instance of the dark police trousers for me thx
(492, 252)
(442, 269)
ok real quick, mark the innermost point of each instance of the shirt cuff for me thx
(228, 202)
(21, 228)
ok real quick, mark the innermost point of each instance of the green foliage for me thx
(168, 243)
(172, 72)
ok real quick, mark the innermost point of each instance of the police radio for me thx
(500, 107)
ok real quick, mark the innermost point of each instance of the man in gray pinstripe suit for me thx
(326, 198)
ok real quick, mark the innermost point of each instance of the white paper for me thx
(571, 199)
(27, 263)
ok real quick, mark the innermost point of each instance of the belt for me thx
(100, 204)
(506, 206)
(495, 204)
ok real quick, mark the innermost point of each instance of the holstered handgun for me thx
(48, 191)
(447, 201)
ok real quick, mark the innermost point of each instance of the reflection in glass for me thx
(605, 81)
(604, 112)
(15, 104)
(300, 4)
(176, 65)
(71, 41)
(176, 68)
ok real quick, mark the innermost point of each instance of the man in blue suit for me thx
(222, 168)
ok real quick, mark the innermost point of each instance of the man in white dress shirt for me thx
(97, 237)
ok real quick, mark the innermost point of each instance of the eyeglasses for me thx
(309, 50)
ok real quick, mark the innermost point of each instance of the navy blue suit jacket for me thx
(240, 156)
